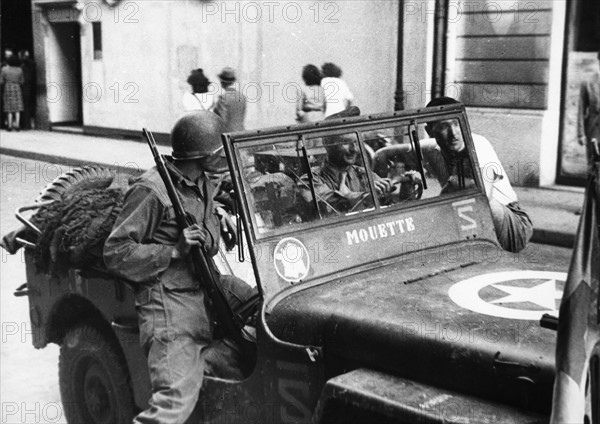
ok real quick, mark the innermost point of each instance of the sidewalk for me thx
(552, 210)
(78, 149)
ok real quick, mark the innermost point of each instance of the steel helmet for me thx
(196, 135)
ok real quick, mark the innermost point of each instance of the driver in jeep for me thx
(147, 248)
(339, 184)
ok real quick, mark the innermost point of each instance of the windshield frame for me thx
(301, 133)
(234, 143)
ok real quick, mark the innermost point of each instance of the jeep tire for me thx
(94, 381)
(83, 178)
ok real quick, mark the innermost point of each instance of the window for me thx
(97, 39)
(499, 53)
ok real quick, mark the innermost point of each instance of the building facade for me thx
(113, 67)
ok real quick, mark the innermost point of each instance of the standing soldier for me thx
(147, 248)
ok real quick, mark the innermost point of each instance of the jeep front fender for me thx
(367, 396)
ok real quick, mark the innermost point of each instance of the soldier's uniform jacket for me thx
(327, 181)
(145, 233)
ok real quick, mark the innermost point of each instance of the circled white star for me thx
(466, 294)
(544, 295)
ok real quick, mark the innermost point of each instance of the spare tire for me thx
(65, 185)
(83, 178)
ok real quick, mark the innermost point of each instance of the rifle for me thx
(203, 266)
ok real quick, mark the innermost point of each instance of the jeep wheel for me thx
(94, 380)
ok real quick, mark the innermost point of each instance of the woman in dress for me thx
(11, 79)
(311, 103)
(200, 98)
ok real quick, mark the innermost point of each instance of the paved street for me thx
(29, 389)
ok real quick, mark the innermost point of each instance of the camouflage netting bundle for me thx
(84, 206)
(75, 228)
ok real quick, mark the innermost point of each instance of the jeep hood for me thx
(406, 320)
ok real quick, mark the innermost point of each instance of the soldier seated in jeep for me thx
(454, 171)
(341, 185)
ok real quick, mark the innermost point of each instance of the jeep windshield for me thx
(315, 196)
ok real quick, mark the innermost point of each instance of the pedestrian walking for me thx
(11, 80)
(231, 106)
(310, 106)
(338, 96)
(200, 98)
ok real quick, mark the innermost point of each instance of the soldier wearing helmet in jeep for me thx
(512, 224)
(147, 248)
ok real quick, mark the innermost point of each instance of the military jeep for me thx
(395, 309)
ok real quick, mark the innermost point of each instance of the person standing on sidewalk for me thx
(231, 105)
(11, 80)
(28, 89)
(310, 106)
(512, 224)
(147, 248)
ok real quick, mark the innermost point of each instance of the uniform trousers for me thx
(176, 336)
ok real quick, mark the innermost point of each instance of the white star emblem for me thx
(516, 303)
(544, 294)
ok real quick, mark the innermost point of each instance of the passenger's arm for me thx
(334, 201)
(342, 199)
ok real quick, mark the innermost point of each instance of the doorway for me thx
(581, 60)
(63, 74)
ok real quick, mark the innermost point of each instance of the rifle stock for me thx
(204, 269)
